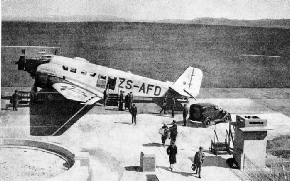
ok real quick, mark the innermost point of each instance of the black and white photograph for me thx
(145, 90)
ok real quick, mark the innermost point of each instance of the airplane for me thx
(79, 80)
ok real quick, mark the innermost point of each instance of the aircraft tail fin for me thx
(190, 81)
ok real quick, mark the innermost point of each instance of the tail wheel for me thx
(206, 122)
(227, 118)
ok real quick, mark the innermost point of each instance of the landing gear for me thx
(206, 122)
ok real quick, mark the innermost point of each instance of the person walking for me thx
(164, 103)
(172, 151)
(121, 100)
(198, 160)
(173, 131)
(165, 134)
(134, 113)
(185, 113)
(15, 99)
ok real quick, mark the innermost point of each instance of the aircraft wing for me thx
(76, 93)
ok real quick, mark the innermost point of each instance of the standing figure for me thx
(105, 97)
(198, 160)
(185, 113)
(134, 113)
(173, 107)
(172, 151)
(173, 131)
(131, 99)
(165, 134)
(121, 100)
(164, 103)
(15, 98)
(127, 101)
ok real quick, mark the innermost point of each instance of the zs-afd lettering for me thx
(143, 88)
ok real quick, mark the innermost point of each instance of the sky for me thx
(147, 9)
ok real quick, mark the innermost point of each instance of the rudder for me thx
(190, 81)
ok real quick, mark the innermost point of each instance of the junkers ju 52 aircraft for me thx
(79, 80)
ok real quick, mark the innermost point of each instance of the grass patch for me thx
(279, 146)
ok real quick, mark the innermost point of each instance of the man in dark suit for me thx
(198, 160)
(134, 113)
(14, 99)
(121, 100)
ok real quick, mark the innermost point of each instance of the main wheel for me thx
(206, 122)
(227, 118)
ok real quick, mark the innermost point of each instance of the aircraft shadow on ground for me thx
(133, 168)
(123, 123)
(151, 177)
(216, 161)
(48, 116)
(154, 145)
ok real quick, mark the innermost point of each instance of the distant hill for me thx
(282, 23)
(75, 18)
(252, 23)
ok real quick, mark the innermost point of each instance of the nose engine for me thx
(30, 64)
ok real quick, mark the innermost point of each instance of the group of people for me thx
(165, 103)
(171, 133)
(128, 105)
(173, 106)
(128, 101)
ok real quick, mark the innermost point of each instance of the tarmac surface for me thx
(114, 144)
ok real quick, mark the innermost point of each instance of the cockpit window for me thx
(74, 70)
(93, 74)
(83, 72)
(64, 67)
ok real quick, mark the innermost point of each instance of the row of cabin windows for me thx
(102, 80)
(74, 70)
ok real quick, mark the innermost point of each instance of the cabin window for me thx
(102, 81)
(93, 74)
(64, 67)
(84, 72)
(74, 70)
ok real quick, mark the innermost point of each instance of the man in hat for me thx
(134, 113)
(14, 99)
(198, 160)
(173, 131)
(165, 134)
(164, 104)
